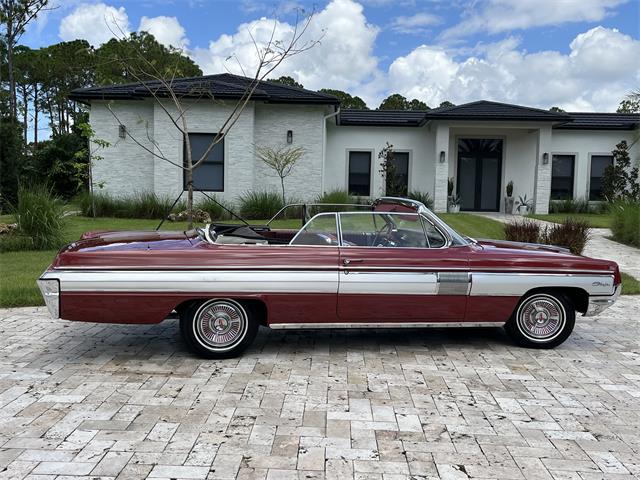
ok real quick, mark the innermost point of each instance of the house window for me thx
(209, 175)
(599, 164)
(360, 173)
(562, 171)
(401, 163)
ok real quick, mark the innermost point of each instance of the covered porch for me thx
(483, 159)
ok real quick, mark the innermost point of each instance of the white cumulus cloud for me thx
(495, 16)
(167, 30)
(415, 24)
(343, 59)
(96, 23)
(600, 68)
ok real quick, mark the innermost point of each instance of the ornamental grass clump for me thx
(144, 204)
(527, 231)
(625, 225)
(422, 197)
(215, 208)
(571, 234)
(40, 220)
(259, 204)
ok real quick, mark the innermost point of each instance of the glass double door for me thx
(479, 173)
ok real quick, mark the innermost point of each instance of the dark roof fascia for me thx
(624, 128)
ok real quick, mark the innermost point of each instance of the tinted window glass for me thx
(562, 169)
(209, 175)
(360, 173)
(599, 164)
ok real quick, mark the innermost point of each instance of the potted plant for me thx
(509, 200)
(453, 204)
(524, 205)
(449, 189)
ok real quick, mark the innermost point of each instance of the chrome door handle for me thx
(347, 261)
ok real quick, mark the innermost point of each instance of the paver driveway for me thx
(129, 401)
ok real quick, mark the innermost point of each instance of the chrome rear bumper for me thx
(599, 304)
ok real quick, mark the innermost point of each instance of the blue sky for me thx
(578, 54)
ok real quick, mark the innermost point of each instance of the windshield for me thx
(456, 238)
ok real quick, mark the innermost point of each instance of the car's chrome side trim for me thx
(515, 284)
(292, 326)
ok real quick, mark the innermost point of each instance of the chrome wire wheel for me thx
(219, 325)
(541, 318)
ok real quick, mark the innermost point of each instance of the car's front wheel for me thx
(542, 319)
(218, 328)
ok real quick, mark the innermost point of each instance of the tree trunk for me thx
(35, 115)
(189, 174)
(12, 81)
(284, 201)
(25, 119)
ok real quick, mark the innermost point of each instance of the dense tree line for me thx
(34, 89)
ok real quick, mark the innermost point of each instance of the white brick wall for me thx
(441, 176)
(125, 167)
(271, 125)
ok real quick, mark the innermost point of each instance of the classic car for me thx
(389, 264)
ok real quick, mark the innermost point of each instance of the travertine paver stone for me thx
(129, 402)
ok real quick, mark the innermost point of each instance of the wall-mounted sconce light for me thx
(289, 136)
(545, 158)
(122, 131)
(442, 156)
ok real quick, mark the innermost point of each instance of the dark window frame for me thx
(207, 161)
(591, 177)
(370, 182)
(572, 188)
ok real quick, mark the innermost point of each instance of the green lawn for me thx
(19, 270)
(630, 285)
(595, 220)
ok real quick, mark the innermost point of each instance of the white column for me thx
(442, 168)
(542, 186)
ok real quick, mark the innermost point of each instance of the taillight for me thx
(617, 278)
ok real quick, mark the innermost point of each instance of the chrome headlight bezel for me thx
(50, 289)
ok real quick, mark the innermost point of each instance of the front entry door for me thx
(479, 172)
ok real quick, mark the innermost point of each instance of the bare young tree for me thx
(175, 101)
(280, 160)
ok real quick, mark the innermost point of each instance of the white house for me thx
(481, 145)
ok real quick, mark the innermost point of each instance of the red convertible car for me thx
(392, 264)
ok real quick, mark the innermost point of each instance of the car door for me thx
(397, 267)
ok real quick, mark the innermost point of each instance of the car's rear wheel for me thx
(218, 328)
(542, 319)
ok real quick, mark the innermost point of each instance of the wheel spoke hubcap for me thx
(221, 324)
(541, 318)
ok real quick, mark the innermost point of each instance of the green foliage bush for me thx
(625, 225)
(335, 196)
(40, 220)
(422, 197)
(11, 159)
(580, 205)
(139, 205)
(260, 204)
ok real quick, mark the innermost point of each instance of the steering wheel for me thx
(386, 228)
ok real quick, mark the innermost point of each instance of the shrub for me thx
(572, 234)
(423, 197)
(625, 225)
(215, 211)
(527, 231)
(569, 206)
(335, 196)
(260, 204)
(139, 205)
(40, 219)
